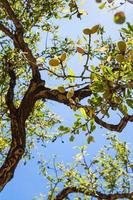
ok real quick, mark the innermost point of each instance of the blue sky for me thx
(27, 181)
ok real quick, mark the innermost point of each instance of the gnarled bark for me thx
(16, 151)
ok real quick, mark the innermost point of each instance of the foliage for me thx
(100, 89)
(107, 173)
(119, 16)
(107, 79)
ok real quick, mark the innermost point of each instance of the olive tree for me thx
(105, 82)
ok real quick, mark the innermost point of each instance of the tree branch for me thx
(82, 93)
(12, 15)
(29, 99)
(18, 118)
(112, 127)
(5, 30)
(17, 132)
(19, 40)
(68, 190)
(10, 93)
(55, 95)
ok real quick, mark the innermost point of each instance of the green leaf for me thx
(71, 139)
(130, 102)
(71, 73)
(61, 89)
(90, 139)
(124, 109)
(92, 125)
(54, 62)
(64, 129)
(102, 5)
(84, 127)
(83, 112)
(70, 93)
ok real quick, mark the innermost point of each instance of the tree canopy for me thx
(98, 91)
